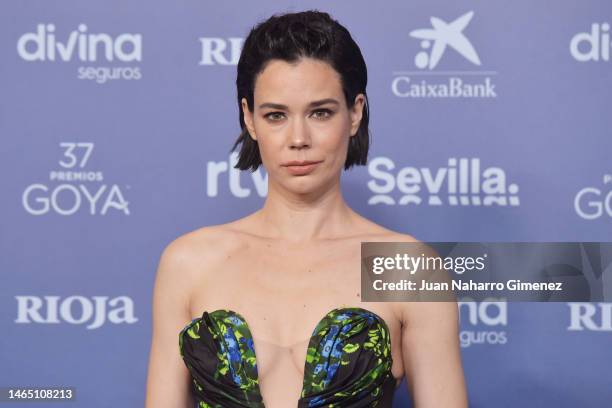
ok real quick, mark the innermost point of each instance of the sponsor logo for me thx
(72, 189)
(590, 316)
(442, 36)
(223, 172)
(47, 45)
(220, 51)
(463, 182)
(429, 82)
(592, 46)
(593, 202)
(481, 322)
(94, 312)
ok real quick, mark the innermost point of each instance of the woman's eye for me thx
(318, 114)
(326, 113)
(273, 116)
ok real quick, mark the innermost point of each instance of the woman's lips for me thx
(301, 169)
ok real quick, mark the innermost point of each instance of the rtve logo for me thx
(54, 310)
(589, 316)
(217, 171)
(592, 46)
(43, 45)
(220, 51)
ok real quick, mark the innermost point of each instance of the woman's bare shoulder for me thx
(205, 235)
(207, 245)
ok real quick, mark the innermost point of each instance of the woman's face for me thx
(300, 114)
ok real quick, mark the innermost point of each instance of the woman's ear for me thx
(248, 118)
(356, 113)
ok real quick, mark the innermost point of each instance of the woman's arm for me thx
(168, 379)
(431, 354)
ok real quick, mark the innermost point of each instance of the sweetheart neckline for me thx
(334, 310)
(312, 336)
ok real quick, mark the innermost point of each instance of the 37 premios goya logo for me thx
(72, 188)
(104, 57)
(595, 202)
(434, 76)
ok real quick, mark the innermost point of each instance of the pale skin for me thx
(286, 265)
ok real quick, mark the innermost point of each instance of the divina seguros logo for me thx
(435, 42)
(71, 189)
(48, 45)
(592, 46)
(481, 321)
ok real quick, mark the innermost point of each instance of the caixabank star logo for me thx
(436, 75)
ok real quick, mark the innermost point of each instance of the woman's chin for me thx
(303, 185)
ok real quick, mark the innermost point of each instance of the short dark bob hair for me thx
(289, 37)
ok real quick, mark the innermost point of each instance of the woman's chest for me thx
(261, 277)
(283, 295)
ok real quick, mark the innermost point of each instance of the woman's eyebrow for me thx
(310, 105)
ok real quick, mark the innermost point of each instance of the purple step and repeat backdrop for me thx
(116, 120)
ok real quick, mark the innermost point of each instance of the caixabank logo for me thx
(483, 322)
(101, 57)
(462, 182)
(432, 75)
(73, 188)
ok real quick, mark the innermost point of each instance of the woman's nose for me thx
(299, 134)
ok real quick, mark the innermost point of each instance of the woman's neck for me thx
(304, 218)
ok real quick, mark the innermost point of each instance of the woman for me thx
(267, 308)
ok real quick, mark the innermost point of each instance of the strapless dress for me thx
(348, 361)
